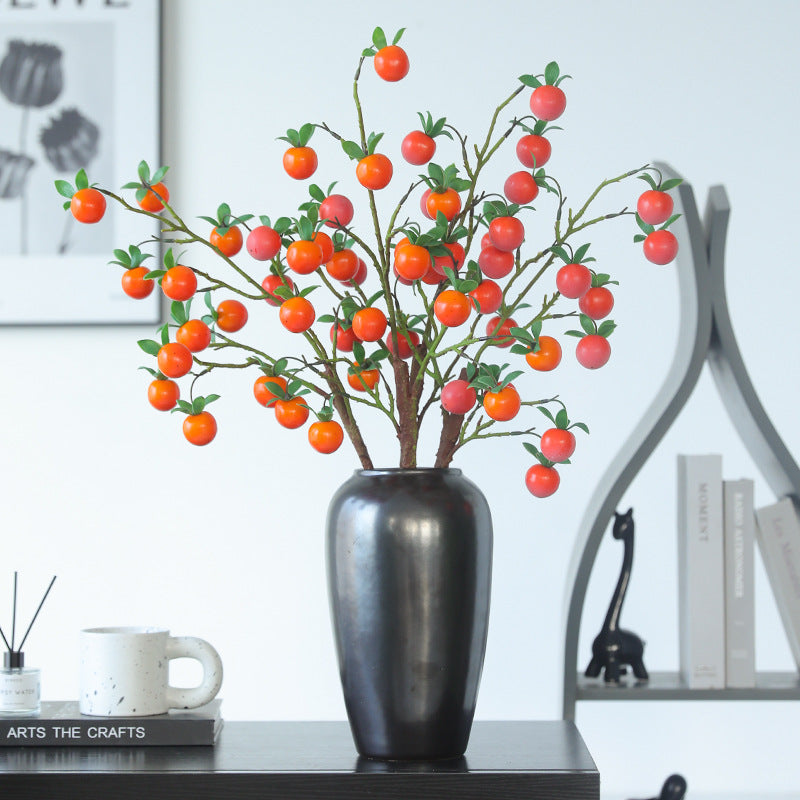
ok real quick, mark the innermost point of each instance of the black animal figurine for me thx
(613, 647)
(674, 788)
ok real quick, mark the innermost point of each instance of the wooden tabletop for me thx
(305, 760)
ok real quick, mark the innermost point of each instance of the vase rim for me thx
(408, 471)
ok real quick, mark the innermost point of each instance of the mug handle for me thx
(202, 651)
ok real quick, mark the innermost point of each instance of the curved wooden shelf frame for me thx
(705, 334)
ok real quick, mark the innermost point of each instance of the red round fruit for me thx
(521, 188)
(88, 205)
(593, 351)
(503, 404)
(597, 302)
(297, 314)
(533, 150)
(363, 380)
(325, 244)
(458, 397)
(391, 63)
(271, 283)
(336, 210)
(495, 263)
(374, 171)
(179, 283)
(573, 280)
(411, 261)
(325, 436)
(174, 359)
(423, 203)
(454, 260)
(542, 481)
(228, 243)
(452, 308)
(263, 388)
(506, 233)
(660, 247)
(163, 394)
(303, 256)
(369, 324)
(150, 202)
(291, 413)
(547, 357)
(194, 334)
(548, 102)
(360, 276)
(500, 332)
(447, 202)
(654, 207)
(200, 428)
(300, 162)
(557, 444)
(417, 148)
(405, 343)
(231, 316)
(135, 285)
(343, 264)
(263, 243)
(488, 296)
(345, 338)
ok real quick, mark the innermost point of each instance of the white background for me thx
(225, 542)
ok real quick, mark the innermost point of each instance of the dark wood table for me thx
(305, 760)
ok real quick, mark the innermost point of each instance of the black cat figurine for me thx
(614, 647)
(674, 788)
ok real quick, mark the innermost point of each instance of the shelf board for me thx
(670, 686)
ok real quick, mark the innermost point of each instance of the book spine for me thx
(738, 532)
(778, 537)
(137, 732)
(701, 583)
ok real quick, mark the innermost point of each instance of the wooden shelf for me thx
(305, 760)
(670, 686)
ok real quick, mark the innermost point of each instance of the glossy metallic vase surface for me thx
(409, 572)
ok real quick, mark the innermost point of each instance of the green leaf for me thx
(546, 411)
(522, 335)
(551, 73)
(81, 181)
(578, 334)
(562, 420)
(379, 38)
(155, 373)
(648, 179)
(531, 449)
(561, 253)
(530, 80)
(353, 150)
(670, 221)
(149, 346)
(178, 312)
(144, 172)
(671, 184)
(64, 188)
(279, 367)
(359, 354)
(209, 304)
(643, 225)
(640, 237)
(316, 193)
(306, 132)
(198, 404)
(580, 253)
(211, 398)
(368, 52)
(607, 328)
(398, 35)
(326, 318)
(580, 425)
(588, 324)
(164, 329)
(154, 275)
(159, 174)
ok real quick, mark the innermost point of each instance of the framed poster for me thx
(79, 88)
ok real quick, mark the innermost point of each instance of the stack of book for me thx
(717, 530)
(62, 724)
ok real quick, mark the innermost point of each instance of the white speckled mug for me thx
(125, 671)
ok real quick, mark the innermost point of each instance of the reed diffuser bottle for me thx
(20, 686)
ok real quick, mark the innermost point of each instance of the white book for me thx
(701, 579)
(778, 537)
(740, 610)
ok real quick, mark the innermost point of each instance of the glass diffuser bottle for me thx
(20, 686)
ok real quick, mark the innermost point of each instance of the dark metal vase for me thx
(409, 572)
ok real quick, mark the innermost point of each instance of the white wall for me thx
(226, 541)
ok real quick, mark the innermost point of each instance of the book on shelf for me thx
(738, 537)
(778, 537)
(701, 582)
(60, 724)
